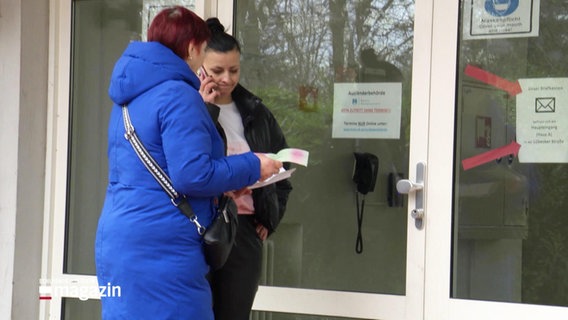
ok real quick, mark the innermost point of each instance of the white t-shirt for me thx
(230, 120)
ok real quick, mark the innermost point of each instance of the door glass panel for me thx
(293, 62)
(101, 31)
(294, 55)
(510, 226)
(78, 309)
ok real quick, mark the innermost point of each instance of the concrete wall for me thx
(23, 105)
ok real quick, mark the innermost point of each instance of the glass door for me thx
(343, 78)
(501, 170)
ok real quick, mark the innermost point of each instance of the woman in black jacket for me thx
(248, 125)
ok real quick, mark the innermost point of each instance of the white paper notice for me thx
(542, 120)
(367, 110)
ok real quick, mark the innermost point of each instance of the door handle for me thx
(406, 186)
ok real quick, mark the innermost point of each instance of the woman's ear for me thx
(190, 50)
(191, 58)
(195, 55)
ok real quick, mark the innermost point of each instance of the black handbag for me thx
(219, 237)
(221, 233)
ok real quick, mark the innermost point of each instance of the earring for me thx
(190, 57)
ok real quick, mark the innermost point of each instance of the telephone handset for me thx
(365, 176)
(365, 172)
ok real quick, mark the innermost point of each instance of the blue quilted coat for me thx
(144, 246)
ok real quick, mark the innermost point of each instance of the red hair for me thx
(176, 28)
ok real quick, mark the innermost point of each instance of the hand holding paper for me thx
(268, 166)
(293, 155)
(283, 174)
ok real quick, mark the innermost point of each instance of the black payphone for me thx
(365, 174)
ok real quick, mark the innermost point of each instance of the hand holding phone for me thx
(208, 86)
(202, 73)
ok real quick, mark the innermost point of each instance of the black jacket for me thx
(263, 134)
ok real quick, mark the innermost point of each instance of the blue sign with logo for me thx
(489, 19)
(501, 8)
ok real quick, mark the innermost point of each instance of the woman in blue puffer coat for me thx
(144, 245)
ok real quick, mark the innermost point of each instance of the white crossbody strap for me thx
(161, 177)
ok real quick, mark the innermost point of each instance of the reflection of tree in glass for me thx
(294, 44)
(304, 41)
(547, 254)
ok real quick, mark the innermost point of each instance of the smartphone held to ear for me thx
(201, 73)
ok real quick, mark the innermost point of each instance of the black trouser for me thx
(235, 284)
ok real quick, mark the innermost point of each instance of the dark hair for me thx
(220, 40)
(176, 28)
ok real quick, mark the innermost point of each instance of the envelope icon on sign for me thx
(545, 105)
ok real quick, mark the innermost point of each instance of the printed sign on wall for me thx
(367, 110)
(486, 19)
(542, 120)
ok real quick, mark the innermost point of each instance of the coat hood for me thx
(142, 66)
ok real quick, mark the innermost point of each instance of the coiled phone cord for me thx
(360, 209)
